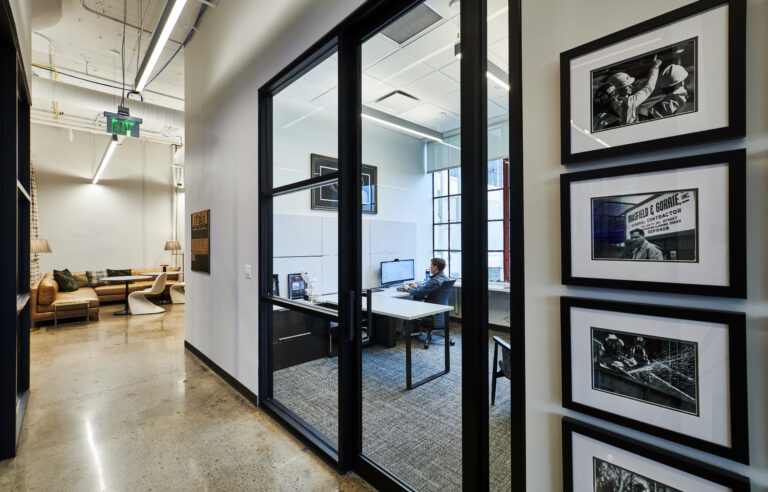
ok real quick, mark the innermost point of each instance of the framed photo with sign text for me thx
(676, 79)
(601, 461)
(676, 225)
(680, 374)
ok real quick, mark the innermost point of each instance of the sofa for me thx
(45, 295)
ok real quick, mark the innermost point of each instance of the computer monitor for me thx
(396, 271)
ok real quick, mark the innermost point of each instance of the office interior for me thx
(378, 400)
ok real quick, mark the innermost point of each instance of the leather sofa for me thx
(45, 295)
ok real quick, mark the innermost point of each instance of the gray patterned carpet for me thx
(414, 434)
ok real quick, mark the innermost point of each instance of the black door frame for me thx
(347, 38)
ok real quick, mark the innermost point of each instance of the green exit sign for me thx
(122, 124)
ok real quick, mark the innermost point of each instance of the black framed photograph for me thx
(676, 79)
(597, 460)
(675, 225)
(327, 197)
(676, 373)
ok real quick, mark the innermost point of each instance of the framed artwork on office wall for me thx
(676, 79)
(676, 225)
(327, 197)
(601, 461)
(679, 374)
(201, 241)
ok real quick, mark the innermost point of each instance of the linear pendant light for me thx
(165, 26)
(105, 158)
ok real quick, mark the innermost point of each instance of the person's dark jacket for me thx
(428, 291)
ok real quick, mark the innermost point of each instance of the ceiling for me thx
(424, 67)
(87, 42)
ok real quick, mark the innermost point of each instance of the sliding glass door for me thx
(391, 246)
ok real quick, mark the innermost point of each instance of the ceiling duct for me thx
(417, 21)
(397, 102)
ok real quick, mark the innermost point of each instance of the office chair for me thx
(438, 322)
(504, 367)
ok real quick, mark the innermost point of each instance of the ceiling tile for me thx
(398, 69)
(302, 90)
(450, 102)
(422, 114)
(374, 89)
(453, 70)
(326, 74)
(376, 49)
(495, 110)
(503, 102)
(498, 53)
(436, 47)
(432, 86)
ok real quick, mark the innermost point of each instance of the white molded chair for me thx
(177, 293)
(138, 302)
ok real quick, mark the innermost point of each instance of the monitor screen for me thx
(396, 271)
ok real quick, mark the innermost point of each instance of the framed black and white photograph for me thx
(679, 374)
(676, 225)
(676, 79)
(327, 197)
(596, 460)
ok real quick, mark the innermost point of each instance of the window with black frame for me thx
(446, 207)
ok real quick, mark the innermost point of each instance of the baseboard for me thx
(230, 380)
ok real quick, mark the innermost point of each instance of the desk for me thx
(498, 302)
(385, 304)
(127, 279)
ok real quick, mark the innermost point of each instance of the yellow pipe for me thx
(56, 74)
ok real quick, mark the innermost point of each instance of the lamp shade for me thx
(39, 246)
(172, 246)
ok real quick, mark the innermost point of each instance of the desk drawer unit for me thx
(297, 338)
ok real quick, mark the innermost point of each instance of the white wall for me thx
(551, 27)
(121, 222)
(228, 61)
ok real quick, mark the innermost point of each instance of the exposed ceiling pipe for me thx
(167, 121)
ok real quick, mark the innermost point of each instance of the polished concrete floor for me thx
(119, 404)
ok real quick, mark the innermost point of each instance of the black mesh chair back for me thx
(438, 322)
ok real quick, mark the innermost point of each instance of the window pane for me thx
(496, 205)
(496, 174)
(495, 235)
(455, 237)
(455, 209)
(495, 267)
(455, 262)
(441, 210)
(441, 237)
(440, 180)
(455, 181)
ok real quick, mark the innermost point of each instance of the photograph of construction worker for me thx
(655, 85)
(659, 371)
(611, 478)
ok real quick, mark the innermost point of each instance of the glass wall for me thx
(498, 246)
(305, 251)
(411, 417)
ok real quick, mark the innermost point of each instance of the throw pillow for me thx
(81, 278)
(66, 281)
(94, 277)
(118, 273)
(46, 291)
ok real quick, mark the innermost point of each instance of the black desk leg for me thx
(126, 310)
(447, 368)
(407, 331)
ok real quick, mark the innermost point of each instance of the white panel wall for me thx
(121, 222)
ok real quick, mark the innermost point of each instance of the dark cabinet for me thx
(298, 338)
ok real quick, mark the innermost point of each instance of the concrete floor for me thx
(119, 404)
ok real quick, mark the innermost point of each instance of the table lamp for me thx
(173, 247)
(38, 246)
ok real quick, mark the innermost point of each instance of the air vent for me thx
(411, 24)
(396, 102)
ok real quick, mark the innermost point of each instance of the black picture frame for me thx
(570, 426)
(737, 372)
(326, 197)
(737, 208)
(736, 83)
(200, 258)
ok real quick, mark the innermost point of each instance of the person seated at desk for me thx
(429, 289)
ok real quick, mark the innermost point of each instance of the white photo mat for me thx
(712, 72)
(712, 182)
(584, 449)
(713, 423)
